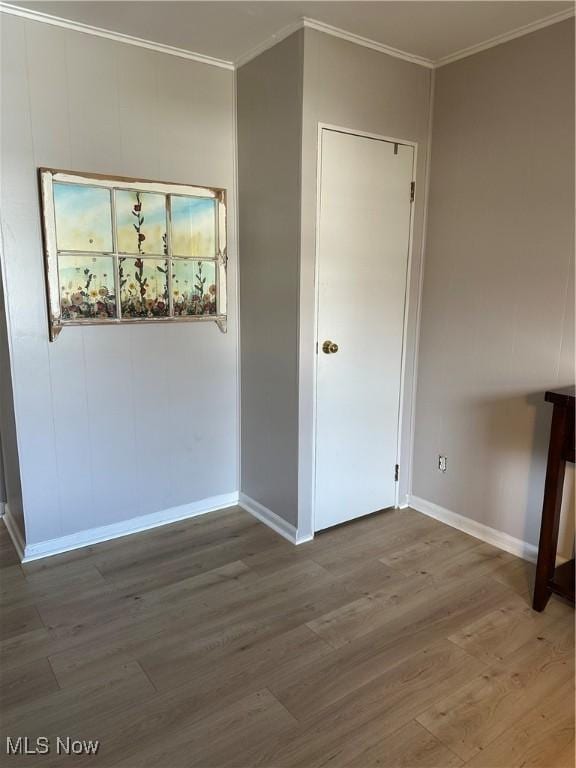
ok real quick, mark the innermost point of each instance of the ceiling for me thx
(230, 30)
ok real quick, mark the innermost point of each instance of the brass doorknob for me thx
(329, 347)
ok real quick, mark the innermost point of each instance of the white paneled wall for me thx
(113, 423)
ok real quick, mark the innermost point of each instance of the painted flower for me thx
(103, 291)
(212, 289)
(76, 298)
(131, 286)
(93, 293)
(161, 305)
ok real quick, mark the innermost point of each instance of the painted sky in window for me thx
(193, 226)
(83, 217)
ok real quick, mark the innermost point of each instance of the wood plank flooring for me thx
(393, 641)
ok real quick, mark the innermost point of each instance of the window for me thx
(123, 250)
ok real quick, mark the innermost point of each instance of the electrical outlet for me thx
(442, 463)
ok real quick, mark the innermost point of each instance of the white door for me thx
(364, 234)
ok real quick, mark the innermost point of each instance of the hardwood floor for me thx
(395, 641)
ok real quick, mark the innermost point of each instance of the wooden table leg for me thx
(551, 508)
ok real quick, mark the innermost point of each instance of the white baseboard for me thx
(288, 531)
(124, 528)
(13, 530)
(272, 520)
(504, 541)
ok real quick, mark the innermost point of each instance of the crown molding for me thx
(117, 37)
(328, 29)
(366, 42)
(269, 42)
(526, 29)
(282, 34)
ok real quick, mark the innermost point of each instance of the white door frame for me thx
(403, 452)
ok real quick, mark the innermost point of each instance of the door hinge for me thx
(396, 472)
(412, 190)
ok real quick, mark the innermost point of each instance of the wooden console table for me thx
(550, 579)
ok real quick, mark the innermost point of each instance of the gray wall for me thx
(2, 479)
(282, 95)
(116, 422)
(10, 486)
(498, 307)
(269, 140)
(358, 88)
(112, 423)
